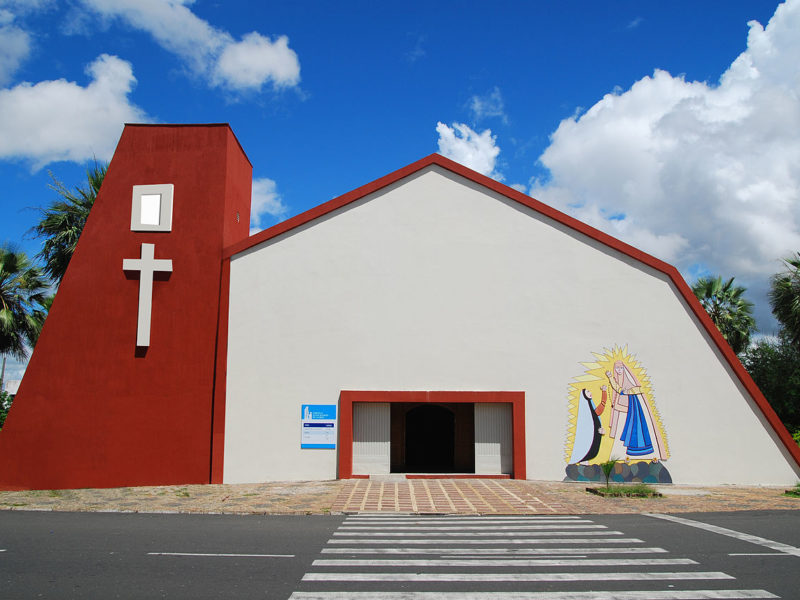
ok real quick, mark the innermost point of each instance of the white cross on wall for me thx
(147, 266)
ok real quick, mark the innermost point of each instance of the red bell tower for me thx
(120, 388)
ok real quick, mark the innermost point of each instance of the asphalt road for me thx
(110, 555)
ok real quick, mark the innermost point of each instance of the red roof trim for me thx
(548, 211)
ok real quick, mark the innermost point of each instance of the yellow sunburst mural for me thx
(612, 413)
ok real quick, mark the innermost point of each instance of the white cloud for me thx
(488, 105)
(15, 46)
(14, 370)
(633, 24)
(26, 6)
(265, 202)
(478, 151)
(691, 172)
(212, 53)
(60, 120)
(255, 60)
(418, 51)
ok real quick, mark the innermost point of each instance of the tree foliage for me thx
(775, 367)
(62, 222)
(784, 297)
(23, 303)
(730, 312)
(5, 404)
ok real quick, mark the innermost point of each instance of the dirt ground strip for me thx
(466, 496)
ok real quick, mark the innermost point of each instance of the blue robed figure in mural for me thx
(639, 436)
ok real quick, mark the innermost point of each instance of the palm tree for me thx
(23, 301)
(732, 314)
(62, 222)
(784, 296)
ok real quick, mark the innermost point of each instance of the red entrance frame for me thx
(348, 397)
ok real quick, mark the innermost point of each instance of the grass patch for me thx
(182, 493)
(636, 490)
(795, 491)
(54, 493)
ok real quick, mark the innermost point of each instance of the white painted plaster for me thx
(151, 207)
(435, 283)
(146, 266)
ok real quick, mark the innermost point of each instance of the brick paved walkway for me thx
(442, 496)
(508, 496)
(466, 496)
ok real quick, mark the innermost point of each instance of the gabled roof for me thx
(558, 216)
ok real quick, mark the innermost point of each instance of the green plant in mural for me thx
(607, 467)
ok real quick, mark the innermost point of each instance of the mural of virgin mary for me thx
(632, 424)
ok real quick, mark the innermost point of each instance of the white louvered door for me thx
(371, 438)
(493, 438)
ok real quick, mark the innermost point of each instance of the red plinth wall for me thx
(93, 410)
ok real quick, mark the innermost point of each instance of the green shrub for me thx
(635, 490)
(607, 467)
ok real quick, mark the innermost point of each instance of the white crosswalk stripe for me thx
(510, 540)
(436, 531)
(481, 577)
(466, 521)
(410, 557)
(467, 528)
(619, 595)
(497, 551)
(536, 562)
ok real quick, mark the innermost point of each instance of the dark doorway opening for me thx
(432, 438)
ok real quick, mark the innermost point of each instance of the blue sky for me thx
(673, 126)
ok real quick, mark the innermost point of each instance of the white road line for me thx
(758, 554)
(537, 562)
(496, 541)
(512, 534)
(468, 521)
(626, 595)
(548, 555)
(495, 551)
(468, 527)
(221, 555)
(546, 530)
(745, 537)
(395, 517)
(496, 577)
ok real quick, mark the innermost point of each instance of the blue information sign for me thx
(318, 426)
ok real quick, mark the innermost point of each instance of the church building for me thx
(433, 322)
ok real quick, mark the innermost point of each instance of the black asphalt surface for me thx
(754, 566)
(111, 555)
(106, 555)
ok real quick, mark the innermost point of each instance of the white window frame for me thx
(166, 191)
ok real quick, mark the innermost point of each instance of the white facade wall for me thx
(436, 283)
